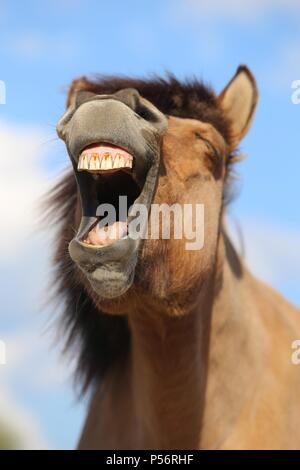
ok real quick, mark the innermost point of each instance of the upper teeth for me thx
(95, 161)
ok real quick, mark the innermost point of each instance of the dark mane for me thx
(188, 99)
(99, 339)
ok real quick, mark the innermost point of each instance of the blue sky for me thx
(43, 46)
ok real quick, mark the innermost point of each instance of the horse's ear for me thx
(238, 100)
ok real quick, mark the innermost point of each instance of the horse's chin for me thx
(118, 305)
(110, 271)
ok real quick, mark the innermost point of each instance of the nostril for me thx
(145, 113)
(130, 97)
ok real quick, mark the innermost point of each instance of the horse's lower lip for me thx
(89, 258)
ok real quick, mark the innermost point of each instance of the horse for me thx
(180, 347)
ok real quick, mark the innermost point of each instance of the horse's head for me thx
(131, 149)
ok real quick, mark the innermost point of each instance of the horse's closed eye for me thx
(208, 144)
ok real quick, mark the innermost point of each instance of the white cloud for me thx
(15, 417)
(207, 18)
(22, 182)
(240, 10)
(24, 271)
(20, 423)
(28, 351)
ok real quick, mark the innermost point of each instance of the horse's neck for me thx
(185, 371)
(185, 379)
(168, 369)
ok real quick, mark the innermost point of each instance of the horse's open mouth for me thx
(114, 188)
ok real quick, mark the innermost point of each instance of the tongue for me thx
(106, 235)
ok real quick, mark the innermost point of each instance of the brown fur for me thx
(185, 358)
